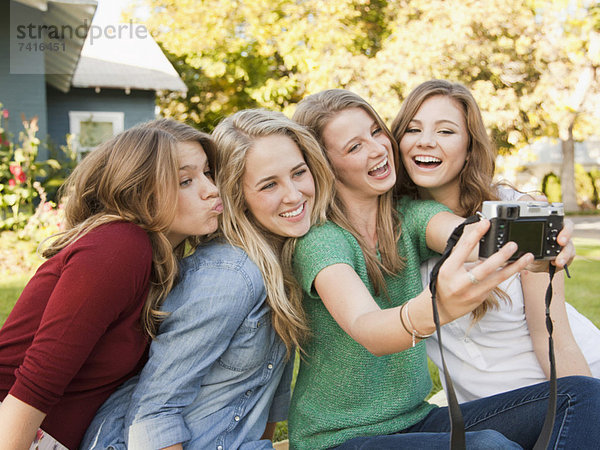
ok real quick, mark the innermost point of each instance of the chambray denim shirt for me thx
(216, 372)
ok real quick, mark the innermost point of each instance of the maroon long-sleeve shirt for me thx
(74, 335)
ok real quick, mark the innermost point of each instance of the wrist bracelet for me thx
(414, 333)
(404, 324)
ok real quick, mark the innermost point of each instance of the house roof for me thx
(128, 59)
(72, 14)
(42, 5)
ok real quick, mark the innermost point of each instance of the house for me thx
(528, 167)
(92, 87)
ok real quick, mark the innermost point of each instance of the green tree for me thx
(532, 64)
(568, 93)
(235, 54)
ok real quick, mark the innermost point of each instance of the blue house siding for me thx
(138, 107)
(20, 94)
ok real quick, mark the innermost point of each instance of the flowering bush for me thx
(18, 249)
(19, 170)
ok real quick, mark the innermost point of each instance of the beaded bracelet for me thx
(414, 333)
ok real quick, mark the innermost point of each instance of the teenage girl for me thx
(82, 324)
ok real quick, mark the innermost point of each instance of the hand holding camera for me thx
(536, 227)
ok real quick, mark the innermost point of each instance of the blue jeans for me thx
(517, 414)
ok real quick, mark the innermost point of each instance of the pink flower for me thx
(5, 113)
(21, 178)
(16, 169)
(12, 182)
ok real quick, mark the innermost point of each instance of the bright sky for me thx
(109, 11)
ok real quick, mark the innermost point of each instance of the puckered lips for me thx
(381, 170)
(295, 214)
(218, 207)
(426, 161)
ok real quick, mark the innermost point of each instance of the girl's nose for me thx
(208, 188)
(426, 139)
(292, 193)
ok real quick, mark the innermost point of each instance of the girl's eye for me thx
(412, 130)
(353, 148)
(185, 182)
(300, 172)
(376, 131)
(268, 186)
(446, 132)
(208, 174)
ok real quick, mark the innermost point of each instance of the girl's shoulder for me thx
(328, 234)
(114, 241)
(418, 212)
(218, 254)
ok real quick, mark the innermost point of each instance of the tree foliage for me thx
(532, 65)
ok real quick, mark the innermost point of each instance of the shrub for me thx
(19, 170)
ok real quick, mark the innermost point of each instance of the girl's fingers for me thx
(491, 265)
(566, 256)
(465, 245)
(490, 280)
(567, 253)
(566, 233)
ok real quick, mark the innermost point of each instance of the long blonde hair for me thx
(476, 177)
(315, 112)
(235, 137)
(132, 177)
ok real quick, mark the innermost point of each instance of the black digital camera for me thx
(533, 226)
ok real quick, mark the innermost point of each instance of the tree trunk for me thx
(567, 172)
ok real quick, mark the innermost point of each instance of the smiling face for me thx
(434, 147)
(360, 154)
(198, 202)
(278, 187)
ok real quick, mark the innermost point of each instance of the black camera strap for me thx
(457, 424)
(546, 433)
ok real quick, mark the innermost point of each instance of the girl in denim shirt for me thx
(219, 370)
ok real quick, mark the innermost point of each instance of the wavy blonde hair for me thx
(315, 112)
(133, 177)
(235, 137)
(476, 177)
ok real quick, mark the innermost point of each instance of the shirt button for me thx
(269, 366)
(248, 393)
(236, 418)
(220, 447)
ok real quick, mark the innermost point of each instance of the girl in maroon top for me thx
(81, 326)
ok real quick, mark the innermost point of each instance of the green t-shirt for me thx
(342, 390)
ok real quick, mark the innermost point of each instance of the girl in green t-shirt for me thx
(364, 377)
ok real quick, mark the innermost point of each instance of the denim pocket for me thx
(250, 344)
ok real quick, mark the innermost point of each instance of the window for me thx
(91, 128)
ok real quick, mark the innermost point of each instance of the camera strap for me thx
(457, 424)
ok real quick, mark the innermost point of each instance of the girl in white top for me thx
(503, 344)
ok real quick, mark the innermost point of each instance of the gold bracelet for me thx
(415, 333)
(404, 325)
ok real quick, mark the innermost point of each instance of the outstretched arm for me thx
(380, 330)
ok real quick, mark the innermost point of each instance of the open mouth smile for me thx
(294, 213)
(427, 162)
(380, 170)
